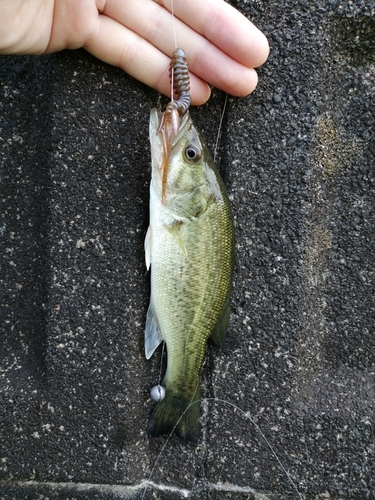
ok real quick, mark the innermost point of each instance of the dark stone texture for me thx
(299, 360)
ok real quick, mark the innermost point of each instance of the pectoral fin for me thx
(221, 327)
(153, 337)
(175, 231)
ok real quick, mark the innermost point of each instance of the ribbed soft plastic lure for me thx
(190, 247)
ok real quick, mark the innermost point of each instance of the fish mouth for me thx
(166, 130)
(169, 127)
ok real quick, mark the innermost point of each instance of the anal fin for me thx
(153, 336)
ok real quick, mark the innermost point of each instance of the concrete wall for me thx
(298, 160)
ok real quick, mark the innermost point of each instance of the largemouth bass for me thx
(190, 247)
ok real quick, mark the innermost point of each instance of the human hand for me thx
(222, 46)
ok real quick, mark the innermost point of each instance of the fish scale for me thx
(179, 311)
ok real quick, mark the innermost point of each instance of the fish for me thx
(190, 248)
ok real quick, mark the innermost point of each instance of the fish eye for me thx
(192, 153)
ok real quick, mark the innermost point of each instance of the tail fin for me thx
(176, 412)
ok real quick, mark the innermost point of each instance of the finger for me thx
(222, 71)
(117, 45)
(225, 27)
(154, 23)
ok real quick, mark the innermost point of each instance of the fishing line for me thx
(220, 126)
(173, 25)
(244, 414)
(161, 362)
(249, 417)
(215, 400)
